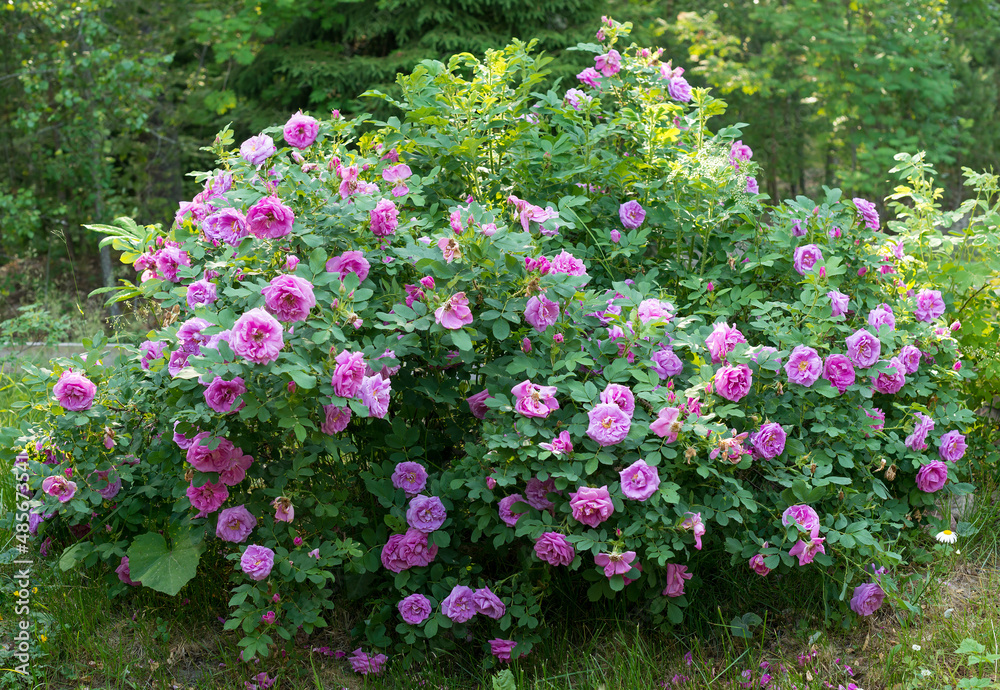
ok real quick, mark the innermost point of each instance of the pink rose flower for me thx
(235, 524)
(477, 404)
(667, 424)
(222, 395)
(608, 424)
(591, 506)
(951, 446)
(554, 549)
(568, 264)
(838, 370)
(284, 511)
(207, 498)
(504, 508)
(757, 564)
(806, 257)
(488, 603)
(608, 64)
(863, 349)
(769, 441)
(541, 313)
(348, 374)
(804, 366)
(932, 476)
(930, 305)
(59, 487)
(882, 316)
(615, 563)
(639, 481)
(536, 493)
(228, 225)
(806, 551)
(839, 302)
(534, 400)
(256, 337)
(631, 214)
(733, 382)
(666, 363)
(803, 516)
(676, 575)
(258, 149)
(560, 445)
(349, 262)
(693, 524)
(300, 131)
(364, 663)
(270, 219)
(414, 609)
(892, 380)
(409, 476)
(124, 574)
(384, 218)
(867, 598)
(335, 419)
(722, 341)
(289, 298)
(450, 249)
(910, 356)
(75, 392)
(459, 605)
(454, 313)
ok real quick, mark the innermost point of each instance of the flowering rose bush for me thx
(441, 389)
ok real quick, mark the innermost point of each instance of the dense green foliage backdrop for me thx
(107, 101)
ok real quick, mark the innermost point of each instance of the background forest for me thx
(106, 102)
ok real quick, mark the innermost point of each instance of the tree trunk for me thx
(107, 271)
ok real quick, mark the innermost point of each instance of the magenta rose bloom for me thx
(803, 516)
(58, 486)
(256, 337)
(201, 293)
(890, 382)
(335, 419)
(235, 524)
(237, 469)
(477, 404)
(591, 506)
(804, 366)
(560, 445)
(111, 488)
(666, 424)
(409, 476)
(227, 225)
(459, 605)
(867, 599)
(917, 441)
(257, 562)
(541, 313)
(205, 459)
(384, 218)
(168, 260)
(300, 131)
(666, 363)
(757, 564)
(221, 395)
(289, 298)
(454, 313)
(733, 382)
(190, 336)
(284, 511)
(488, 603)
(676, 575)
(536, 493)
(258, 149)
(375, 392)
(951, 446)
(391, 559)
(502, 649)
(609, 64)
(617, 394)
(838, 370)
(882, 316)
(124, 574)
(426, 513)
(929, 305)
(722, 341)
(807, 550)
(879, 416)
(910, 356)
(608, 424)
(639, 481)
(151, 350)
(348, 374)
(504, 509)
(349, 262)
(534, 400)
(863, 349)
(839, 302)
(631, 214)
(568, 264)
(769, 441)
(75, 392)
(364, 663)
(207, 498)
(869, 215)
(414, 609)
(615, 563)
(679, 89)
(806, 257)
(270, 219)
(415, 550)
(554, 549)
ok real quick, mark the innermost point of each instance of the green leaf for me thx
(73, 555)
(165, 569)
(504, 680)
(461, 339)
(302, 379)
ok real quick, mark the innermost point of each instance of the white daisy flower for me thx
(915, 647)
(946, 537)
